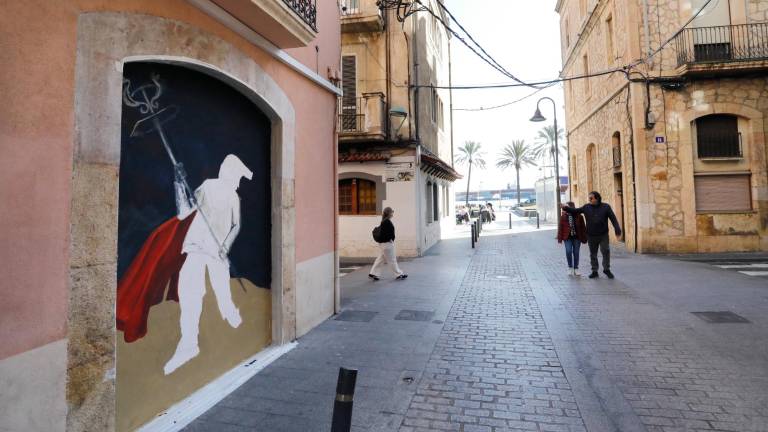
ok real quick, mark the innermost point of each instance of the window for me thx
(609, 39)
(435, 203)
(349, 115)
(357, 197)
(616, 146)
(585, 62)
(723, 193)
(591, 167)
(717, 136)
(430, 203)
(436, 108)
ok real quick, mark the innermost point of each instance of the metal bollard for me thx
(342, 406)
(537, 220)
(510, 220)
(473, 236)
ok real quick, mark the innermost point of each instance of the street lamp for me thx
(537, 117)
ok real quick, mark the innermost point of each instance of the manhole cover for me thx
(355, 316)
(414, 315)
(721, 317)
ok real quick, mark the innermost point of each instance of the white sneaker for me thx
(570, 271)
(576, 273)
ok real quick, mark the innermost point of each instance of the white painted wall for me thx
(314, 291)
(355, 239)
(32, 393)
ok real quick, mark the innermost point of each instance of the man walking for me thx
(597, 214)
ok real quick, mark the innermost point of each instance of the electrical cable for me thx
(505, 104)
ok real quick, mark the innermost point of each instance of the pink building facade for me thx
(125, 125)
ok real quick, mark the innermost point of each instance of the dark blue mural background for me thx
(213, 120)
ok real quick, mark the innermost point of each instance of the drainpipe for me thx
(416, 75)
(450, 92)
(646, 30)
(388, 73)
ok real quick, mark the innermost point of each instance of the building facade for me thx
(395, 146)
(675, 140)
(168, 179)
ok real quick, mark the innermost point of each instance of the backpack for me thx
(377, 234)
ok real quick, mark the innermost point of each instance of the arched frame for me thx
(755, 151)
(106, 42)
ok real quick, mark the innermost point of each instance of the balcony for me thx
(723, 49)
(362, 118)
(285, 23)
(360, 16)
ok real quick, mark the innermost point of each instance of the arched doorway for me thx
(194, 236)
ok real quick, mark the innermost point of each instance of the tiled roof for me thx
(371, 156)
(438, 167)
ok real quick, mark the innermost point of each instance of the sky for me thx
(524, 37)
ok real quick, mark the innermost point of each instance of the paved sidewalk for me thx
(501, 339)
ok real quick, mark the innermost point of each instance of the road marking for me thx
(744, 266)
(755, 273)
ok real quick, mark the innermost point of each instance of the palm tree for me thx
(545, 146)
(470, 154)
(518, 154)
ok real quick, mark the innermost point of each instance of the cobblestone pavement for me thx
(517, 344)
(494, 366)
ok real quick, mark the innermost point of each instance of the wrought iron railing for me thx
(730, 43)
(362, 115)
(350, 7)
(352, 116)
(719, 145)
(306, 10)
(617, 157)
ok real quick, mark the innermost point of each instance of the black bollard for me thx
(342, 406)
(510, 220)
(473, 236)
(537, 220)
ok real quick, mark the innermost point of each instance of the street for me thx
(500, 338)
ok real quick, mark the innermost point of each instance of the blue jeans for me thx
(572, 246)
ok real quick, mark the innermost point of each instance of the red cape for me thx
(156, 266)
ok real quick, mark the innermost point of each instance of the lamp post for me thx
(537, 117)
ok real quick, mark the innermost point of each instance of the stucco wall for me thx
(38, 42)
(355, 239)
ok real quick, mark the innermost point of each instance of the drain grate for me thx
(721, 317)
(356, 316)
(414, 315)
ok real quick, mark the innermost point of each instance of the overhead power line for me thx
(505, 104)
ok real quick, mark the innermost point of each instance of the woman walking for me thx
(573, 232)
(386, 241)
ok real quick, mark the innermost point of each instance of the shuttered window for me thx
(723, 193)
(435, 203)
(349, 121)
(357, 197)
(717, 136)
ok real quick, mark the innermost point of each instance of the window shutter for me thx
(723, 193)
(349, 88)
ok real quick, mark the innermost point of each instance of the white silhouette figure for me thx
(207, 244)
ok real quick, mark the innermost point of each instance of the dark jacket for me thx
(387, 232)
(564, 229)
(597, 218)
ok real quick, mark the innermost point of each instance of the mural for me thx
(194, 218)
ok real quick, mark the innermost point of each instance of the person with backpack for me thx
(384, 235)
(573, 232)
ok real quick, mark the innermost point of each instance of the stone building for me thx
(675, 141)
(153, 151)
(395, 143)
